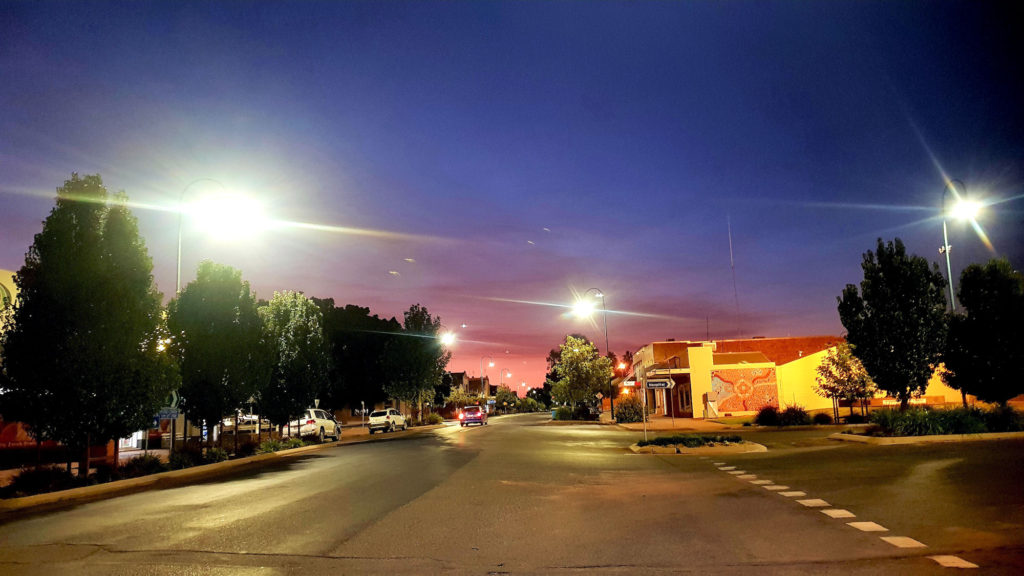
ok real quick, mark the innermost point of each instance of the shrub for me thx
(822, 418)
(104, 473)
(767, 416)
(215, 455)
(563, 413)
(629, 409)
(960, 421)
(435, 419)
(142, 466)
(794, 416)
(690, 440)
(186, 456)
(1003, 419)
(292, 443)
(584, 413)
(247, 448)
(856, 418)
(43, 479)
(270, 445)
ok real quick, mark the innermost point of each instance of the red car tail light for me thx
(310, 421)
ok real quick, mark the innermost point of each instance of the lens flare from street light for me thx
(448, 338)
(966, 210)
(584, 308)
(229, 216)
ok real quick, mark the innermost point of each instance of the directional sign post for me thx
(660, 384)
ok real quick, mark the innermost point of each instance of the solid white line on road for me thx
(953, 562)
(793, 494)
(838, 513)
(868, 526)
(747, 476)
(903, 542)
(724, 468)
(776, 487)
(761, 482)
(814, 503)
(738, 472)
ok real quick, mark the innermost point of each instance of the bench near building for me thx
(710, 379)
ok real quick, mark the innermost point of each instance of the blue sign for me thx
(167, 414)
(492, 401)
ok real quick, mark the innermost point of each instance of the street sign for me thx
(599, 395)
(661, 384)
(492, 401)
(172, 400)
(167, 414)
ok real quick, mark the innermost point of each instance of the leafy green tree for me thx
(897, 320)
(459, 398)
(581, 372)
(504, 399)
(217, 337)
(293, 325)
(842, 375)
(541, 395)
(985, 350)
(418, 359)
(82, 359)
(358, 344)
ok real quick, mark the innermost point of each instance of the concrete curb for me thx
(934, 439)
(178, 477)
(742, 448)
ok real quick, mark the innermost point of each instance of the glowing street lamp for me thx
(448, 338)
(224, 214)
(962, 210)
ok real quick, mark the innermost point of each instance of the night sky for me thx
(488, 160)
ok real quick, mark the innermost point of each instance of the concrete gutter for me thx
(182, 477)
(933, 439)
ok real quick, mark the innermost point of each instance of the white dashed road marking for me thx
(719, 463)
(903, 542)
(793, 494)
(953, 562)
(761, 482)
(838, 513)
(727, 468)
(776, 487)
(738, 472)
(814, 503)
(868, 526)
(747, 476)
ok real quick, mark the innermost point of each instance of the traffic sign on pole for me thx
(660, 384)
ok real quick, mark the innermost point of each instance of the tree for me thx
(985, 350)
(581, 372)
(541, 395)
(82, 359)
(842, 375)
(217, 337)
(300, 360)
(504, 398)
(417, 359)
(358, 345)
(896, 321)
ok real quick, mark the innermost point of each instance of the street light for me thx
(962, 210)
(490, 364)
(228, 215)
(584, 308)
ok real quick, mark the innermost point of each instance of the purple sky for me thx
(520, 151)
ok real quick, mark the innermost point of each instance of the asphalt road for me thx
(522, 497)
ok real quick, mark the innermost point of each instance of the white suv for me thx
(387, 420)
(315, 422)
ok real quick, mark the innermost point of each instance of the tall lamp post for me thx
(962, 209)
(490, 364)
(583, 308)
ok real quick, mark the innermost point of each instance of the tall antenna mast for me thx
(732, 265)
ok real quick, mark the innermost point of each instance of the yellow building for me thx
(708, 379)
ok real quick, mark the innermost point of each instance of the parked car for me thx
(314, 422)
(246, 424)
(387, 420)
(473, 414)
